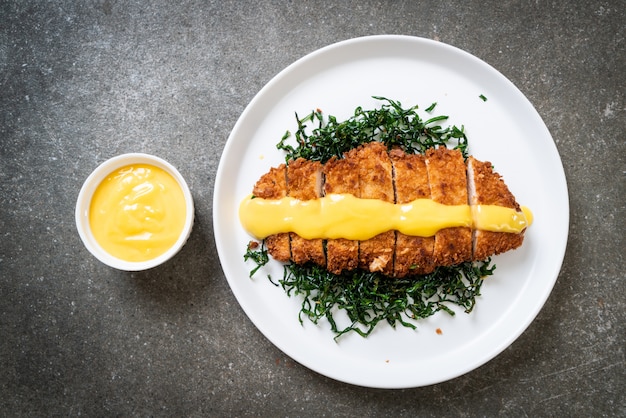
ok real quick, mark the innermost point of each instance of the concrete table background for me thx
(83, 81)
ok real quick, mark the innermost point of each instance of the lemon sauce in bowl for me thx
(137, 212)
(134, 212)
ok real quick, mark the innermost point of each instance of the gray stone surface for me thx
(84, 81)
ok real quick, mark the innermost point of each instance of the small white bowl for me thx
(84, 202)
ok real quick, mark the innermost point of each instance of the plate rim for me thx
(231, 143)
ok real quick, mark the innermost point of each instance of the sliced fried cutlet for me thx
(413, 255)
(486, 187)
(273, 185)
(448, 185)
(376, 182)
(304, 182)
(341, 176)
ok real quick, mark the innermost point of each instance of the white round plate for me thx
(505, 129)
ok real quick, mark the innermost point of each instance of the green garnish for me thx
(391, 124)
(369, 298)
(483, 98)
(257, 253)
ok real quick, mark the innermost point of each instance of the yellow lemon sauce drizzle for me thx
(345, 216)
(137, 212)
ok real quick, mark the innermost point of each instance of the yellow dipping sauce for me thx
(345, 216)
(137, 212)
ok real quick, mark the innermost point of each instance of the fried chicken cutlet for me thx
(448, 185)
(371, 171)
(273, 185)
(304, 182)
(341, 175)
(376, 182)
(486, 187)
(413, 255)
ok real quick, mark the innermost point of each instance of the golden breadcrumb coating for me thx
(273, 185)
(448, 185)
(304, 182)
(370, 171)
(413, 255)
(341, 176)
(376, 182)
(486, 187)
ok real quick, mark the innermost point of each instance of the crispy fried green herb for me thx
(431, 107)
(257, 253)
(369, 298)
(391, 124)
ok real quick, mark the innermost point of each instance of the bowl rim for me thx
(85, 196)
